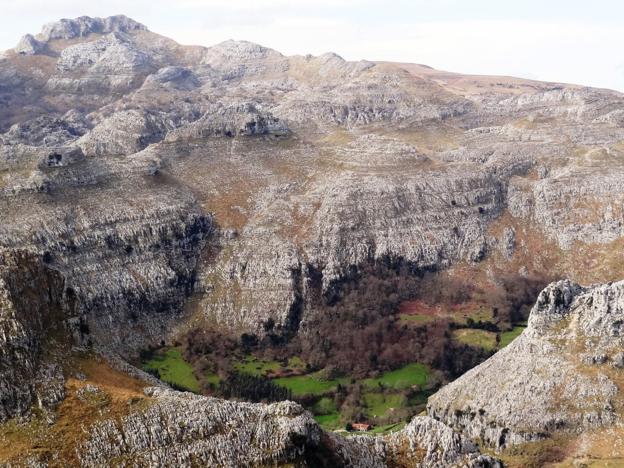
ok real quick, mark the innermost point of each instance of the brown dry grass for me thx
(600, 448)
(475, 308)
(536, 454)
(231, 206)
(340, 137)
(430, 139)
(475, 84)
(534, 122)
(32, 64)
(300, 226)
(230, 200)
(583, 263)
(74, 416)
(603, 448)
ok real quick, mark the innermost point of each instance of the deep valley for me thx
(225, 256)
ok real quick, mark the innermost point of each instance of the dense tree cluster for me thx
(355, 326)
(210, 351)
(252, 388)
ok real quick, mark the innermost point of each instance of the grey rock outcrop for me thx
(28, 45)
(112, 54)
(428, 442)
(123, 254)
(186, 429)
(424, 442)
(85, 25)
(47, 130)
(178, 77)
(239, 120)
(122, 133)
(560, 375)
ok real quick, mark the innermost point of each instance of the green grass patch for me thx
(308, 384)
(212, 378)
(328, 421)
(378, 404)
(173, 369)
(296, 363)
(482, 314)
(477, 338)
(508, 336)
(324, 406)
(253, 366)
(411, 374)
(326, 413)
(417, 319)
(419, 398)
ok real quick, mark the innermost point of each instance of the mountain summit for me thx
(75, 28)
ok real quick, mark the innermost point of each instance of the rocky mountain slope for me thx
(186, 430)
(562, 376)
(305, 162)
(148, 188)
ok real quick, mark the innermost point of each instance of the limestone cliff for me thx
(33, 307)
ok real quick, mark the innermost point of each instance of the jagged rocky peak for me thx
(329, 57)
(85, 25)
(28, 45)
(332, 63)
(112, 53)
(241, 59)
(74, 28)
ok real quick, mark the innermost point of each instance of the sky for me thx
(569, 41)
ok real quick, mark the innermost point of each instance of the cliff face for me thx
(183, 429)
(127, 245)
(562, 375)
(32, 313)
